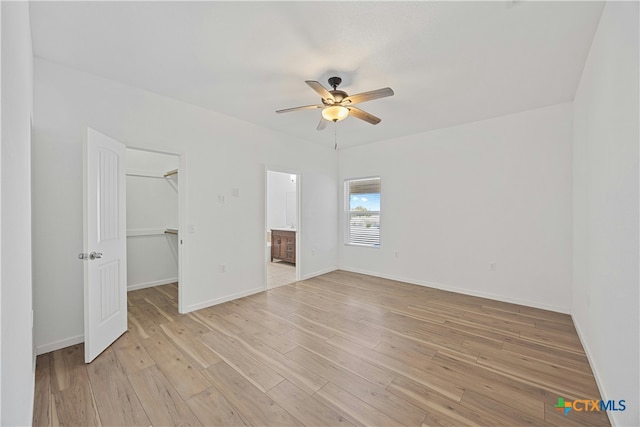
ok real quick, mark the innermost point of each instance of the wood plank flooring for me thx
(337, 350)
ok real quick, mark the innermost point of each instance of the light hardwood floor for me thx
(280, 273)
(339, 349)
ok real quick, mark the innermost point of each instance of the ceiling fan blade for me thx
(306, 107)
(322, 124)
(367, 96)
(320, 90)
(363, 115)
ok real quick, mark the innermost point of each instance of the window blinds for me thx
(364, 186)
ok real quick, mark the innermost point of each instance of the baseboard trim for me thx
(57, 345)
(152, 284)
(319, 273)
(593, 369)
(279, 285)
(220, 300)
(463, 291)
(32, 392)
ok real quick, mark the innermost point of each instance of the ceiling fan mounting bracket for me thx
(334, 82)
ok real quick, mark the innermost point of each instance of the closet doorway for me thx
(282, 228)
(155, 195)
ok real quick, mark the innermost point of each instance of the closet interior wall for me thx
(152, 219)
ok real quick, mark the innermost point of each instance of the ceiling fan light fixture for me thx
(338, 105)
(335, 113)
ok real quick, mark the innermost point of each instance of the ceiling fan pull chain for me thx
(335, 135)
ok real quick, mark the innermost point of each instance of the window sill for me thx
(362, 246)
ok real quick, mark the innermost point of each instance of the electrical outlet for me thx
(492, 266)
(235, 192)
(222, 268)
(313, 252)
(220, 198)
(397, 254)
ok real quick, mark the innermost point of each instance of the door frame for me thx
(182, 219)
(289, 171)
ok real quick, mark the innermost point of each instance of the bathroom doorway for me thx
(282, 228)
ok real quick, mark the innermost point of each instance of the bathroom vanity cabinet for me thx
(283, 245)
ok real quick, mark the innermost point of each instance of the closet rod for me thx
(173, 172)
(170, 231)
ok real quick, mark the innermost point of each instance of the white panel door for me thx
(105, 244)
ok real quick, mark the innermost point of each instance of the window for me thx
(363, 211)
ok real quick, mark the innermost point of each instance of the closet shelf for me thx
(173, 172)
(150, 232)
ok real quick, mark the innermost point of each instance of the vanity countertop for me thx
(283, 228)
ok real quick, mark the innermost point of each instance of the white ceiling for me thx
(448, 62)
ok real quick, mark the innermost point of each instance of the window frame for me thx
(348, 212)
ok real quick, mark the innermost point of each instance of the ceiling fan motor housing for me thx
(338, 96)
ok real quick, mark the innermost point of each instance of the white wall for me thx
(222, 153)
(152, 207)
(149, 162)
(1, 282)
(278, 185)
(605, 298)
(456, 200)
(17, 360)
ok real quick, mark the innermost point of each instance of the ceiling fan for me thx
(338, 105)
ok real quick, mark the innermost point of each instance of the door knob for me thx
(95, 255)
